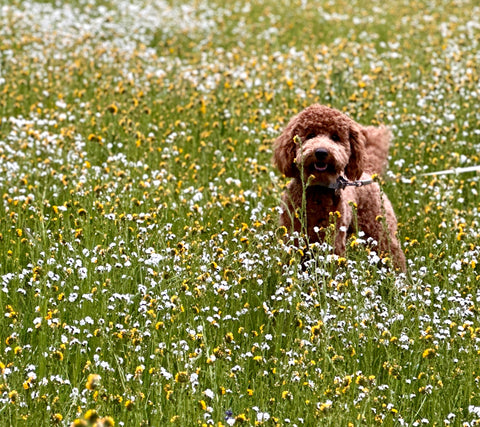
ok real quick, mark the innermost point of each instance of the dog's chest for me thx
(324, 209)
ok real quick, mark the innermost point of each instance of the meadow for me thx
(144, 279)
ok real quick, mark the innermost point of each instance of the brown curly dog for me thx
(318, 149)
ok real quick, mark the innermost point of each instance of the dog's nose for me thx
(321, 153)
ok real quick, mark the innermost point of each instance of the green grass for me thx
(144, 279)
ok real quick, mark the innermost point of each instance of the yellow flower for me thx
(58, 355)
(240, 418)
(139, 371)
(107, 422)
(159, 325)
(93, 381)
(181, 377)
(325, 406)
(57, 418)
(28, 384)
(91, 415)
(13, 396)
(112, 108)
(429, 353)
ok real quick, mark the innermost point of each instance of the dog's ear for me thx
(355, 166)
(285, 151)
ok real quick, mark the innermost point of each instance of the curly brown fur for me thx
(329, 144)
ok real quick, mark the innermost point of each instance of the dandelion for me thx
(93, 382)
(429, 353)
(181, 377)
(325, 406)
(106, 422)
(139, 371)
(112, 108)
(241, 418)
(91, 415)
(58, 355)
(56, 418)
(13, 396)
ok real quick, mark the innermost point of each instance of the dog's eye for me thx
(310, 136)
(335, 137)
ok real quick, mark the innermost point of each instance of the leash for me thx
(455, 171)
(341, 183)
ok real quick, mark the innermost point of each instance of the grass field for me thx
(144, 278)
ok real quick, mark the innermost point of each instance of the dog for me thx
(331, 159)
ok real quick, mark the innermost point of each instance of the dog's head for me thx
(323, 143)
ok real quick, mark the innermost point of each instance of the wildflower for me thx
(106, 422)
(28, 383)
(159, 325)
(241, 418)
(93, 381)
(10, 339)
(429, 353)
(13, 396)
(209, 393)
(139, 371)
(324, 407)
(91, 415)
(58, 355)
(181, 377)
(56, 418)
(316, 329)
(112, 108)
